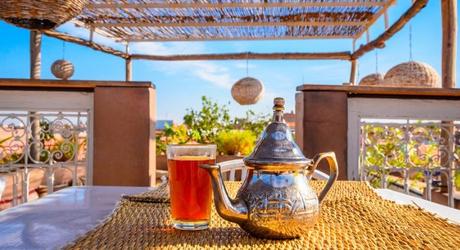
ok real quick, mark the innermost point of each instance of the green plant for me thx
(207, 122)
(160, 145)
(4, 140)
(178, 134)
(8, 158)
(212, 124)
(63, 150)
(235, 142)
(252, 122)
(386, 147)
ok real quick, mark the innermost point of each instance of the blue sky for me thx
(181, 84)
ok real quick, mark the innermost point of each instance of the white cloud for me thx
(207, 71)
(212, 73)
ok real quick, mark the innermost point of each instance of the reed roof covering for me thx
(186, 20)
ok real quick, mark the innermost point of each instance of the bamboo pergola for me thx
(142, 20)
(129, 21)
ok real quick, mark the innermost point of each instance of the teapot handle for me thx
(333, 171)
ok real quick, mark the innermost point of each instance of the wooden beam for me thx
(379, 42)
(77, 40)
(449, 43)
(353, 71)
(6, 83)
(449, 57)
(128, 65)
(91, 35)
(386, 19)
(230, 24)
(375, 17)
(198, 5)
(241, 38)
(383, 90)
(128, 70)
(249, 55)
(35, 54)
(35, 73)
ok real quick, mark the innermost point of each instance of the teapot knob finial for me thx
(278, 103)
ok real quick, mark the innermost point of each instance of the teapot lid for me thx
(276, 148)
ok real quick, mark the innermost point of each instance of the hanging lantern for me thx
(372, 80)
(412, 74)
(62, 69)
(247, 91)
(40, 14)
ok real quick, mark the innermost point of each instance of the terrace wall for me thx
(122, 139)
(323, 116)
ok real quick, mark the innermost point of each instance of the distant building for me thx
(290, 120)
(161, 124)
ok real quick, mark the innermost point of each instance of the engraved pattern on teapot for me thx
(278, 205)
(283, 204)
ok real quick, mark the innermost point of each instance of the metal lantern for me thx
(40, 14)
(412, 74)
(372, 80)
(247, 91)
(62, 69)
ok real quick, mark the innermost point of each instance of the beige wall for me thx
(152, 146)
(328, 118)
(324, 126)
(123, 122)
(124, 136)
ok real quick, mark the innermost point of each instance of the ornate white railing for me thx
(410, 152)
(46, 141)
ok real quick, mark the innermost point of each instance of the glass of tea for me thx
(189, 185)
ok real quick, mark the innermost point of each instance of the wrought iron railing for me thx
(46, 141)
(411, 154)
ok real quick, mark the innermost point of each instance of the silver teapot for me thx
(275, 200)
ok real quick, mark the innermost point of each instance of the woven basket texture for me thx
(412, 74)
(353, 216)
(62, 69)
(247, 91)
(291, 21)
(372, 80)
(40, 14)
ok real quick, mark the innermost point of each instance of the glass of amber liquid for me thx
(189, 185)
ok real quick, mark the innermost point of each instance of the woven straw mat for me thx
(353, 216)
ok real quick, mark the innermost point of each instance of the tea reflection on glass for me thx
(190, 185)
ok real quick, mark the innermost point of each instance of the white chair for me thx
(2, 185)
(162, 175)
(230, 168)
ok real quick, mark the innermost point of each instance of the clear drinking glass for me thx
(190, 185)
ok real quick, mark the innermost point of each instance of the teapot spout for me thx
(232, 210)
